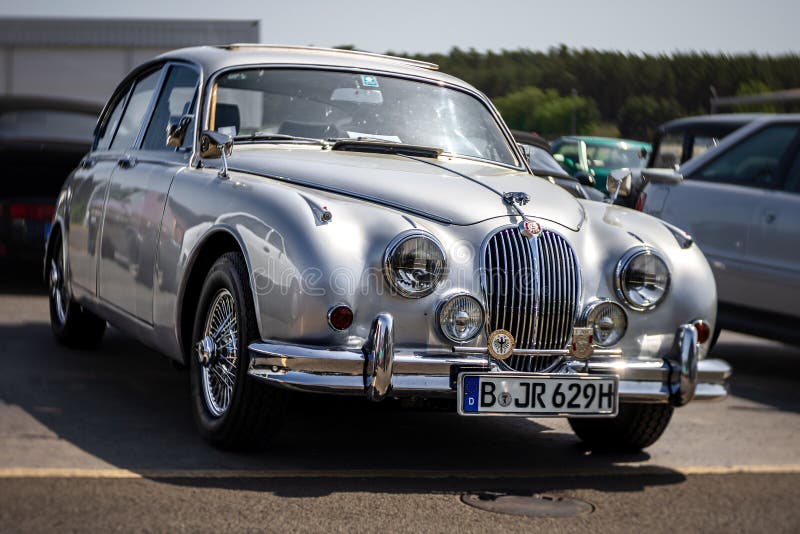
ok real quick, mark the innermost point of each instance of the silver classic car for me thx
(286, 218)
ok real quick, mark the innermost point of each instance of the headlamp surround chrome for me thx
(657, 284)
(402, 278)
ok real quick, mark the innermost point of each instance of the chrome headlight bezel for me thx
(586, 320)
(480, 325)
(389, 272)
(621, 271)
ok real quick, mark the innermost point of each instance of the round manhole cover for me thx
(530, 505)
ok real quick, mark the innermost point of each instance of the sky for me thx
(730, 26)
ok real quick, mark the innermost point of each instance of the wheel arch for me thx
(217, 241)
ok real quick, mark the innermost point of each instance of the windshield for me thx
(321, 104)
(542, 161)
(616, 156)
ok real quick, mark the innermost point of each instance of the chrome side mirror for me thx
(216, 145)
(616, 182)
(176, 131)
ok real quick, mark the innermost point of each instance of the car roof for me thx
(720, 119)
(610, 141)
(214, 58)
(745, 131)
(531, 139)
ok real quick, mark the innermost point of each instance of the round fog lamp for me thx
(461, 318)
(608, 322)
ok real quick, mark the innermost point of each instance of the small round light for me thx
(414, 264)
(608, 322)
(642, 278)
(340, 317)
(461, 318)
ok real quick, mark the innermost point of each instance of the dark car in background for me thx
(679, 140)
(41, 141)
(542, 163)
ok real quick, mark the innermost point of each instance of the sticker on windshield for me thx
(369, 81)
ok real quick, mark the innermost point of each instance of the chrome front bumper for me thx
(380, 369)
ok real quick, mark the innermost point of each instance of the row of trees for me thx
(538, 91)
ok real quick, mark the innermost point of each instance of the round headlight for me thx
(642, 278)
(414, 264)
(461, 318)
(608, 322)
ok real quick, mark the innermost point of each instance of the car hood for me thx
(451, 190)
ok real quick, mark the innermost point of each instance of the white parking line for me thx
(622, 470)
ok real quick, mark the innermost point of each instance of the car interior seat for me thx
(227, 116)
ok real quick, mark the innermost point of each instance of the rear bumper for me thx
(379, 369)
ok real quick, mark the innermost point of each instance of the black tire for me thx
(636, 427)
(73, 325)
(254, 412)
(714, 338)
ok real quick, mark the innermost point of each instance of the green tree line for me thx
(631, 93)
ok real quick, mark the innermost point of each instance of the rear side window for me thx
(109, 126)
(755, 161)
(135, 111)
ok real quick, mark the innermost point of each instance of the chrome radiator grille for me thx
(532, 290)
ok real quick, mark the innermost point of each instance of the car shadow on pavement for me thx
(766, 372)
(124, 406)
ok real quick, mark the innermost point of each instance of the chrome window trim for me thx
(516, 152)
(390, 249)
(624, 262)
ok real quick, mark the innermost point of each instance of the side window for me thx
(568, 155)
(109, 126)
(175, 100)
(702, 143)
(135, 111)
(754, 162)
(670, 151)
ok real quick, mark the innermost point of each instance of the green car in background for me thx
(598, 156)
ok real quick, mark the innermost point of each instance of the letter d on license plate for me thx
(538, 395)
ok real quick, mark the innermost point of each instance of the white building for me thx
(85, 59)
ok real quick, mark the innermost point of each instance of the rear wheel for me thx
(636, 427)
(232, 410)
(72, 325)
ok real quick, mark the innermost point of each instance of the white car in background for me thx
(740, 201)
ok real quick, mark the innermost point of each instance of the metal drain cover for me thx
(529, 505)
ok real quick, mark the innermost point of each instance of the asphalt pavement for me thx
(104, 440)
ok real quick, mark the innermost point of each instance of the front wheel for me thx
(232, 411)
(636, 427)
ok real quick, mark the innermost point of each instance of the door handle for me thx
(87, 163)
(769, 217)
(126, 162)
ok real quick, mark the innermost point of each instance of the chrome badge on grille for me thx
(581, 347)
(529, 228)
(501, 344)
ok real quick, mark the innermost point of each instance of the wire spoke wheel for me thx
(218, 376)
(56, 282)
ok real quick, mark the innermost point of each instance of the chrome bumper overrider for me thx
(380, 369)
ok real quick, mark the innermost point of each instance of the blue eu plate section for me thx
(471, 387)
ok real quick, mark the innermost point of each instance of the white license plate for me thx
(537, 395)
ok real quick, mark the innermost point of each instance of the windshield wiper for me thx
(382, 146)
(258, 136)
